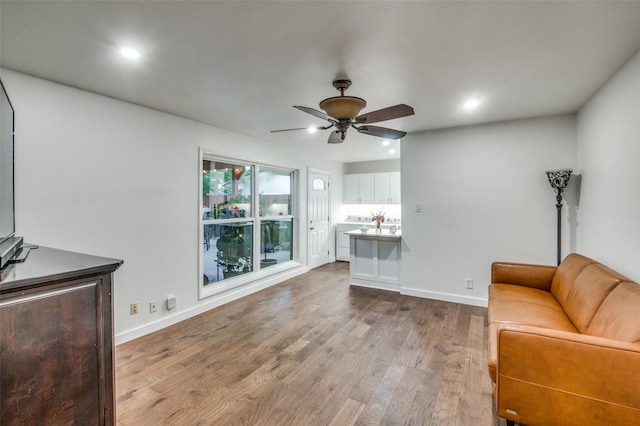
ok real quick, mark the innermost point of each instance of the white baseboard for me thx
(445, 297)
(208, 304)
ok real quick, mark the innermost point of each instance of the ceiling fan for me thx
(342, 112)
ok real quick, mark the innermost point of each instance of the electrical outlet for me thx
(469, 282)
(153, 306)
(171, 302)
(134, 308)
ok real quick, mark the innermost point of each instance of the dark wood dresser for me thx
(56, 340)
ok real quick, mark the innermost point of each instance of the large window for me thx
(240, 236)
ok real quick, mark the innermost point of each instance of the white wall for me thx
(109, 178)
(609, 159)
(485, 197)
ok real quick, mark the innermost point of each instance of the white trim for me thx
(319, 171)
(446, 297)
(246, 279)
(210, 303)
(373, 284)
(210, 154)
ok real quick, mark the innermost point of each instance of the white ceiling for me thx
(242, 65)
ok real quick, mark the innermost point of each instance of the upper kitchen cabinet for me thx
(372, 188)
(387, 188)
(359, 188)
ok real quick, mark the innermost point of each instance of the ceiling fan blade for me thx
(335, 137)
(288, 130)
(303, 128)
(314, 112)
(384, 114)
(381, 132)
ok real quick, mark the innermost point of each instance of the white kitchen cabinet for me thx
(367, 185)
(387, 188)
(395, 190)
(375, 259)
(359, 188)
(372, 188)
(351, 189)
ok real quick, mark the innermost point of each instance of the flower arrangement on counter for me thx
(378, 218)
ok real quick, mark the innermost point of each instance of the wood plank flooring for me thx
(312, 351)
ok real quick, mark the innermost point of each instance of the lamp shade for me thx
(341, 107)
(559, 179)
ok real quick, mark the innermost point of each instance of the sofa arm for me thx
(536, 276)
(547, 376)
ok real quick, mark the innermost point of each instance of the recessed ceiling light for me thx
(392, 151)
(130, 53)
(471, 104)
(386, 142)
(312, 129)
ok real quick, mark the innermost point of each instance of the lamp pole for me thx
(559, 179)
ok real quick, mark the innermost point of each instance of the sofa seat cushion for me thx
(527, 306)
(521, 305)
(619, 315)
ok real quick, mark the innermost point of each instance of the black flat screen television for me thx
(10, 245)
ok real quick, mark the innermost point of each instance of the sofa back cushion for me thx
(619, 314)
(581, 287)
(567, 273)
(584, 297)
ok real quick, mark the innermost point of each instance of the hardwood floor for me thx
(312, 351)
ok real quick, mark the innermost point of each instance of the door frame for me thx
(329, 225)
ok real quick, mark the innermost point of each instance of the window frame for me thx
(254, 217)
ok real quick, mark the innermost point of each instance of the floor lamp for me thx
(559, 179)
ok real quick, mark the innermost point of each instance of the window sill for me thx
(246, 279)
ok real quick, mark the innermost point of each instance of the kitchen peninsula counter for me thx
(375, 259)
(372, 234)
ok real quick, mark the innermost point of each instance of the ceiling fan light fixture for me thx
(336, 136)
(343, 112)
(341, 107)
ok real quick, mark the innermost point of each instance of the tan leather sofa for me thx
(564, 343)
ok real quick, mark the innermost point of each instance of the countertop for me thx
(371, 234)
(370, 223)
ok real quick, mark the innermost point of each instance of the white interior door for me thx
(319, 217)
